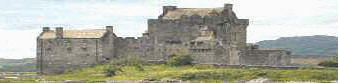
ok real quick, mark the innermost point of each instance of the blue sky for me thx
(21, 20)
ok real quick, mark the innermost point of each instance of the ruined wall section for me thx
(309, 59)
(139, 47)
(128, 46)
(257, 57)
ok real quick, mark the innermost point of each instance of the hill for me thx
(18, 65)
(305, 45)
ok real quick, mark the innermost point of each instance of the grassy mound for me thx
(197, 72)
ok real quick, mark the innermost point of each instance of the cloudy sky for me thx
(21, 20)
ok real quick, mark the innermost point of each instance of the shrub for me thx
(329, 63)
(112, 70)
(179, 60)
(117, 64)
(336, 58)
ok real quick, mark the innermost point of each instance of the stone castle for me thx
(210, 35)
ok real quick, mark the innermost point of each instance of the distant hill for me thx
(18, 65)
(305, 45)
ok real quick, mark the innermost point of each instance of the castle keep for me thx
(210, 35)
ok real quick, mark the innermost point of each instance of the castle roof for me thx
(177, 13)
(92, 33)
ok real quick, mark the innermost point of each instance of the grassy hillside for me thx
(199, 72)
(305, 45)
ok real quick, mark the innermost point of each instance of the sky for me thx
(21, 20)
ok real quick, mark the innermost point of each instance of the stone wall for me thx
(56, 55)
(258, 57)
(210, 35)
(309, 59)
(60, 54)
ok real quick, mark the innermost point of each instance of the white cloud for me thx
(17, 43)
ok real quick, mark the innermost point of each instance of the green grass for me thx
(198, 72)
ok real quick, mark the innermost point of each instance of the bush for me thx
(329, 63)
(117, 64)
(112, 70)
(179, 60)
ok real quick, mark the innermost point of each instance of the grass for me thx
(197, 72)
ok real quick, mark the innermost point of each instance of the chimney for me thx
(228, 6)
(59, 32)
(45, 29)
(168, 8)
(228, 9)
(110, 29)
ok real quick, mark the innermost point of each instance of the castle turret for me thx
(59, 32)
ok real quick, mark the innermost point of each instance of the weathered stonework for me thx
(65, 49)
(210, 35)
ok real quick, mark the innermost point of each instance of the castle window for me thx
(66, 41)
(224, 30)
(50, 41)
(173, 41)
(69, 49)
(49, 49)
(84, 48)
(83, 41)
(192, 43)
(200, 26)
(199, 43)
(83, 44)
(235, 35)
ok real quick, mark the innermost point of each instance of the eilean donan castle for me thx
(210, 35)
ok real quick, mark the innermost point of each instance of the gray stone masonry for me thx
(210, 35)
